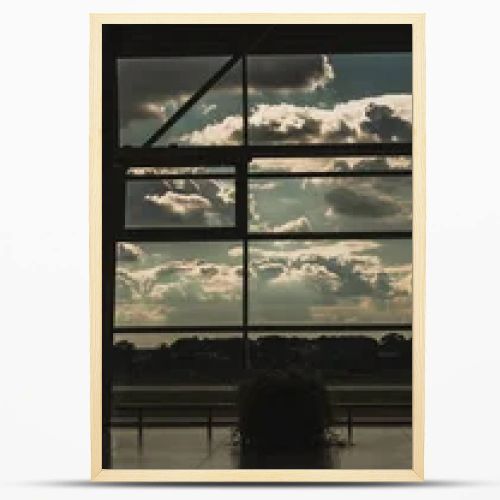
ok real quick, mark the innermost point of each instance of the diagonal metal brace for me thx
(192, 100)
(203, 90)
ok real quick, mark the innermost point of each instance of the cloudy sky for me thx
(299, 99)
(292, 99)
(329, 204)
(330, 281)
(298, 204)
(302, 282)
(178, 283)
(180, 202)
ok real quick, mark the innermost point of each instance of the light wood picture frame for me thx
(413, 474)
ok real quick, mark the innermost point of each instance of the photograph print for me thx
(257, 246)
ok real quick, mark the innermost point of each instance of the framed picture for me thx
(257, 247)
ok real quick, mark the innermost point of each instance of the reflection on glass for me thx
(195, 283)
(330, 98)
(170, 359)
(304, 204)
(180, 203)
(330, 281)
(197, 170)
(347, 164)
(150, 90)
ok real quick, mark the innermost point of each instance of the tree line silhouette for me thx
(221, 360)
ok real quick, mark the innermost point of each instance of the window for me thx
(178, 284)
(257, 214)
(180, 197)
(324, 203)
(327, 98)
(153, 90)
(342, 357)
(197, 358)
(328, 282)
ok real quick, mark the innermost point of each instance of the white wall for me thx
(44, 445)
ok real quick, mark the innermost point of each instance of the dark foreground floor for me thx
(187, 448)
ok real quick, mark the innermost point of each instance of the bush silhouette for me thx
(283, 411)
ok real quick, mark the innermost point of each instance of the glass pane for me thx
(346, 164)
(170, 359)
(150, 90)
(302, 204)
(197, 170)
(330, 98)
(215, 120)
(353, 358)
(195, 283)
(330, 281)
(180, 203)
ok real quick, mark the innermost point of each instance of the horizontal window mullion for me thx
(157, 156)
(237, 329)
(230, 234)
(179, 234)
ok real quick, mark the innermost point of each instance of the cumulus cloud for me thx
(387, 199)
(208, 108)
(227, 131)
(294, 226)
(180, 280)
(372, 119)
(375, 163)
(148, 87)
(336, 281)
(128, 252)
(145, 110)
(178, 203)
(147, 84)
(384, 122)
(310, 275)
(307, 280)
(139, 283)
(220, 281)
(235, 252)
(287, 73)
(199, 169)
(401, 279)
(330, 204)
(329, 164)
(344, 248)
(138, 314)
(348, 201)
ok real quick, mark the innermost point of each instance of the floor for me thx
(188, 448)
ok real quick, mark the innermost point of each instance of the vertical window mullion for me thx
(244, 93)
(109, 220)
